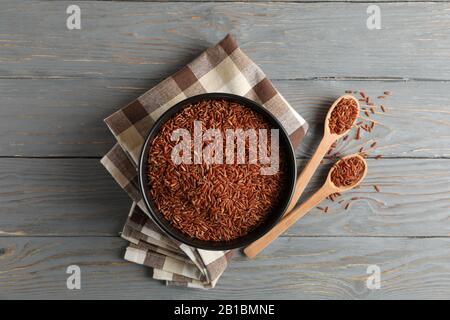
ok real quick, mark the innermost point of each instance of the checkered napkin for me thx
(222, 68)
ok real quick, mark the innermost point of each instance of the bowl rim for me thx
(253, 235)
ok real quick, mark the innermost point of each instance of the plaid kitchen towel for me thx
(222, 68)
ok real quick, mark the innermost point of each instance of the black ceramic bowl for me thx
(272, 217)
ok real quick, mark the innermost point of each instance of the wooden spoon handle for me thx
(289, 219)
(308, 171)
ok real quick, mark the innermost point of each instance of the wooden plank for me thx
(292, 268)
(413, 200)
(289, 40)
(64, 117)
(59, 197)
(77, 197)
(416, 124)
(61, 118)
(250, 1)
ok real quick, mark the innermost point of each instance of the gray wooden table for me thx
(58, 206)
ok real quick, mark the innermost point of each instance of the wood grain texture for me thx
(64, 117)
(57, 85)
(289, 40)
(292, 268)
(251, 1)
(413, 200)
(59, 197)
(77, 197)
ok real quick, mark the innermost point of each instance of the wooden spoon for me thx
(327, 140)
(290, 218)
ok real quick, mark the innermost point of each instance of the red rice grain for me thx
(347, 172)
(343, 116)
(215, 202)
(358, 133)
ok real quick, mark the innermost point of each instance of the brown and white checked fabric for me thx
(201, 265)
(222, 68)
